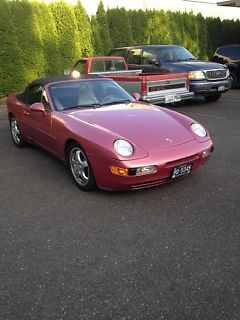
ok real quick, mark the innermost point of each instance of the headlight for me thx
(228, 73)
(123, 148)
(75, 74)
(198, 130)
(196, 75)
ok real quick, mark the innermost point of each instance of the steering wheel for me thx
(108, 99)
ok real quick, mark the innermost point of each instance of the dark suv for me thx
(206, 78)
(230, 56)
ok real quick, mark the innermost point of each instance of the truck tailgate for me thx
(157, 88)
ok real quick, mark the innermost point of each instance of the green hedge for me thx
(39, 39)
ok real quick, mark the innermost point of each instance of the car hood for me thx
(196, 65)
(147, 126)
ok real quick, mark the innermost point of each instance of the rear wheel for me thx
(15, 133)
(80, 168)
(213, 97)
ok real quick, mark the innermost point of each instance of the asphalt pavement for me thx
(170, 252)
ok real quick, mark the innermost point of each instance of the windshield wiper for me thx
(190, 59)
(117, 102)
(90, 105)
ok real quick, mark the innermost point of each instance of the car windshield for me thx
(87, 93)
(175, 54)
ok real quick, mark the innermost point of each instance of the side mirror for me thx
(66, 72)
(136, 96)
(38, 107)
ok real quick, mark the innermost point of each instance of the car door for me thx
(40, 124)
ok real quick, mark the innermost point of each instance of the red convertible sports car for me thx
(105, 136)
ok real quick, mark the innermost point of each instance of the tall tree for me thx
(96, 38)
(139, 26)
(159, 27)
(28, 39)
(49, 40)
(84, 30)
(11, 66)
(202, 37)
(103, 27)
(214, 31)
(119, 27)
(67, 32)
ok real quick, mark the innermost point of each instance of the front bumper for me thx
(204, 87)
(165, 160)
(164, 98)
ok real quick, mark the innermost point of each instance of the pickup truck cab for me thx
(153, 88)
(206, 78)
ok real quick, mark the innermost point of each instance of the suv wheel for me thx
(213, 97)
(234, 79)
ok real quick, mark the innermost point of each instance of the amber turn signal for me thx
(119, 171)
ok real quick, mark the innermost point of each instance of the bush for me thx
(119, 27)
(28, 39)
(83, 30)
(49, 40)
(68, 42)
(11, 66)
(103, 27)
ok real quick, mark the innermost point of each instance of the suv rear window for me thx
(117, 52)
(231, 51)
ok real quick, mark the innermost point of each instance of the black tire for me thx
(15, 133)
(80, 168)
(213, 97)
(234, 79)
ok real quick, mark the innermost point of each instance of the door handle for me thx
(26, 113)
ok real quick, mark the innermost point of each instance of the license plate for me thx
(221, 88)
(181, 170)
(172, 98)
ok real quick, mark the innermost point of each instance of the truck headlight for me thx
(196, 75)
(227, 73)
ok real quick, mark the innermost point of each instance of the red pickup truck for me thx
(154, 88)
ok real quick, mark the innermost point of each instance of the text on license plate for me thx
(172, 98)
(182, 170)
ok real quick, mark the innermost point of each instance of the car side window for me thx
(80, 66)
(34, 94)
(149, 55)
(134, 56)
(97, 66)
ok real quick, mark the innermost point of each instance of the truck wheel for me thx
(80, 168)
(234, 79)
(213, 97)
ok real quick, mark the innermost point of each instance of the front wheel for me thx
(80, 168)
(213, 97)
(15, 133)
(234, 79)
